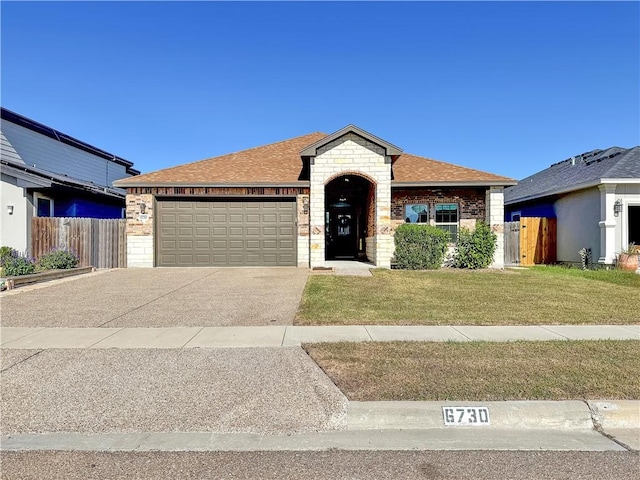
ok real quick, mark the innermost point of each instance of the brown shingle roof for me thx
(276, 163)
(414, 169)
(281, 164)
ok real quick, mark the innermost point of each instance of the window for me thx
(416, 214)
(447, 218)
(43, 205)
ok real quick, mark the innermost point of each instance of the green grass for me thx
(483, 371)
(542, 295)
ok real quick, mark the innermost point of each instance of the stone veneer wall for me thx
(351, 154)
(495, 218)
(303, 230)
(139, 230)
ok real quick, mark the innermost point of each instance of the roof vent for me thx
(573, 160)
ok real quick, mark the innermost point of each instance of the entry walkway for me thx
(288, 336)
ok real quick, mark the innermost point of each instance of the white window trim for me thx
(36, 197)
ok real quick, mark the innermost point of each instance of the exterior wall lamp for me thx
(143, 208)
(617, 208)
(10, 209)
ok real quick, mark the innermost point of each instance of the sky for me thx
(505, 87)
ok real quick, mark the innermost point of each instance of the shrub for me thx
(7, 253)
(57, 259)
(16, 265)
(475, 249)
(420, 247)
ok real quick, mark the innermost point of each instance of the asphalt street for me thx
(329, 465)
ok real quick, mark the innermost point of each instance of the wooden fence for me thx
(531, 241)
(101, 243)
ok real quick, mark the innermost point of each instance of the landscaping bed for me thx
(545, 295)
(482, 371)
(45, 276)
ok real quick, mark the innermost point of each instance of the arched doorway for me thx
(349, 217)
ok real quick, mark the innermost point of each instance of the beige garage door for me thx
(225, 233)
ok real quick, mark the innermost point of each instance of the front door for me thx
(342, 240)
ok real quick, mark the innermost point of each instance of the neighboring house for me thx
(46, 173)
(301, 202)
(595, 198)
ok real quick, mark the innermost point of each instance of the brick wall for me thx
(471, 201)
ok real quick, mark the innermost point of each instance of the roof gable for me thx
(582, 171)
(311, 150)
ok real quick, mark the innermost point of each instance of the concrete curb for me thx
(615, 414)
(371, 440)
(563, 415)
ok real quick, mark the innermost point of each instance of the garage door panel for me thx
(253, 244)
(220, 245)
(168, 219)
(270, 244)
(231, 233)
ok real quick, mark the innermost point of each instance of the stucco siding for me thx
(14, 228)
(578, 217)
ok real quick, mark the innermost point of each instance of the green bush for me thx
(7, 253)
(57, 259)
(17, 265)
(420, 247)
(475, 249)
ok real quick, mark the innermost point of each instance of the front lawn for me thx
(482, 371)
(542, 295)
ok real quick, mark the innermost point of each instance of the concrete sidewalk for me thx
(287, 336)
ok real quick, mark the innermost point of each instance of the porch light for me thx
(617, 208)
(143, 208)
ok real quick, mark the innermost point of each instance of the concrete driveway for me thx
(160, 297)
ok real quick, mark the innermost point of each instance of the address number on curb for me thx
(465, 415)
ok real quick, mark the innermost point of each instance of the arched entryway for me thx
(349, 217)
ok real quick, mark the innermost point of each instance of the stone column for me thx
(495, 219)
(316, 223)
(140, 248)
(607, 224)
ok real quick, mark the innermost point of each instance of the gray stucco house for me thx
(595, 197)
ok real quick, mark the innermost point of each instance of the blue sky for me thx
(506, 87)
